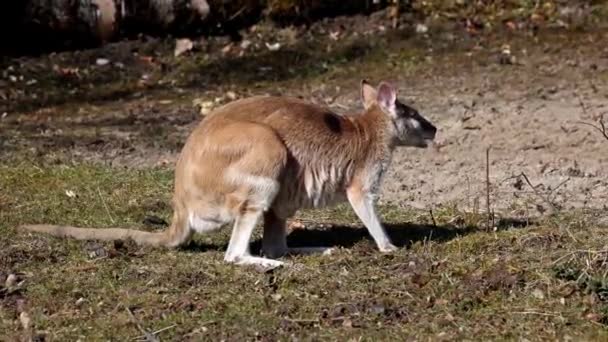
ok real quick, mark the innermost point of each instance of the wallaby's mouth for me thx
(424, 142)
(428, 137)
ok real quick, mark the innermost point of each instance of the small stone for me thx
(538, 293)
(421, 28)
(102, 61)
(273, 47)
(11, 281)
(182, 46)
(231, 95)
(245, 44)
(25, 320)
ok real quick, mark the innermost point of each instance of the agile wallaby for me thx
(266, 157)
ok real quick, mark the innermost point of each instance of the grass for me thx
(449, 281)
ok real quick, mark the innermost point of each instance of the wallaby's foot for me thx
(388, 248)
(311, 250)
(265, 263)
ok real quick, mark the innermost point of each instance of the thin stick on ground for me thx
(489, 221)
(149, 337)
(433, 218)
(601, 127)
(154, 333)
(105, 206)
(550, 314)
(545, 199)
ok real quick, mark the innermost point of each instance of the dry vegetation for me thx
(92, 145)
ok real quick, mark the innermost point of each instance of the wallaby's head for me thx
(410, 128)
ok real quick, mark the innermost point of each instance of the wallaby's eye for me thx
(404, 111)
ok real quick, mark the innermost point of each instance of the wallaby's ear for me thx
(368, 94)
(386, 97)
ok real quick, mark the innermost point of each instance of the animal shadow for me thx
(345, 236)
(402, 235)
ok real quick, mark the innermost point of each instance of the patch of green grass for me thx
(450, 280)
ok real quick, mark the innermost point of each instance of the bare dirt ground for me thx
(529, 114)
(137, 110)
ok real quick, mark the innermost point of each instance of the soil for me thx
(528, 107)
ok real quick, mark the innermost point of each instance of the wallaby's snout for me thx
(418, 132)
(427, 129)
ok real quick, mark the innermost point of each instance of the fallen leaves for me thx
(102, 61)
(182, 46)
(273, 46)
(206, 105)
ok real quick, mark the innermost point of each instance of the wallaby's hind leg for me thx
(274, 241)
(256, 176)
(238, 247)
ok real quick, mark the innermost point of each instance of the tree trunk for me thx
(33, 26)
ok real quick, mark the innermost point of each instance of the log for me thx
(34, 26)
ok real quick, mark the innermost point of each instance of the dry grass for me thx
(450, 280)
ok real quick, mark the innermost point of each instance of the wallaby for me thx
(266, 157)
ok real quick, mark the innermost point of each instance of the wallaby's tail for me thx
(177, 234)
(164, 238)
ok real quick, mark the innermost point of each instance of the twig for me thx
(601, 128)
(237, 13)
(546, 200)
(433, 218)
(488, 189)
(552, 314)
(582, 104)
(156, 332)
(302, 320)
(149, 337)
(558, 186)
(579, 251)
(105, 205)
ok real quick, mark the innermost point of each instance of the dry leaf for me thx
(538, 293)
(273, 47)
(182, 46)
(11, 281)
(102, 61)
(25, 320)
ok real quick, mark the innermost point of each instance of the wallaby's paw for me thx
(388, 248)
(262, 264)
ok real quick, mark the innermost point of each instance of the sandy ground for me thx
(530, 116)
